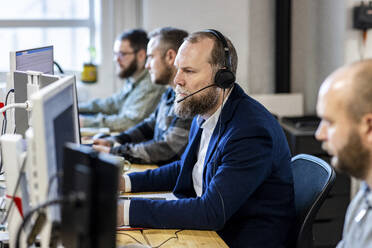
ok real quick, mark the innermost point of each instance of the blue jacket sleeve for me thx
(241, 165)
(160, 179)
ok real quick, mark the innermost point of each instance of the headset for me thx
(224, 77)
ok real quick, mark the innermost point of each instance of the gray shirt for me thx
(159, 139)
(358, 222)
(137, 99)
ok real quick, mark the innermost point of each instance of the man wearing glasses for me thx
(138, 97)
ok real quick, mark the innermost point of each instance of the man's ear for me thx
(170, 56)
(367, 127)
(141, 55)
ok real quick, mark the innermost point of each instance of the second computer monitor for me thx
(35, 59)
(55, 121)
(20, 96)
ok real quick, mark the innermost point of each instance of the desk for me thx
(154, 237)
(186, 238)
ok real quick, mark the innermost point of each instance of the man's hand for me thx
(120, 214)
(104, 149)
(102, 142)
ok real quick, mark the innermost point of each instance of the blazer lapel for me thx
(226, 115)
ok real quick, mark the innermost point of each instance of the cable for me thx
(3, 129)
(59, 67)
(214, 154)
(52, 178)
(1, 161)
(175, 237)
(219, 131)
(29, 215)
(71, 198)
(144, 236)
(25, 105)
(15, 191)
(130, 236)
(362, 44)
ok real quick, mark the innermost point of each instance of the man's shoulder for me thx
(248, 111)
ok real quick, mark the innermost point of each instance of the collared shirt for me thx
(357, 228)
(208, 127)
(159, 139)
(137, 99)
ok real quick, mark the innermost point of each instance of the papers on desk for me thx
(156, 196)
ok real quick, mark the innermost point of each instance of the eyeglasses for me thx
(123, 54)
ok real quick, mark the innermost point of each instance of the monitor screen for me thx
(36, 59)
(55, 121)
(91, 223)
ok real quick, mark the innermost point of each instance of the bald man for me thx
(345, 107)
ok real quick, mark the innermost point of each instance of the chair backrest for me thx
(313, 179)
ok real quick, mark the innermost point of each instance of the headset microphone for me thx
(211, 85)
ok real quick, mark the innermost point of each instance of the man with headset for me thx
(345, 106)
(234, 176)
(162, 137)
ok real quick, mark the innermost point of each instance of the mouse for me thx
(100, 136)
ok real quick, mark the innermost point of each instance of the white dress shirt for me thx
(208, 127)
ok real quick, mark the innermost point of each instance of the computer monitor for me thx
(35, 59)
(20, 96)
(54, 121)
(91, 223)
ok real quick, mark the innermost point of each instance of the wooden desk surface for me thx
(186, 238)
(154, 237)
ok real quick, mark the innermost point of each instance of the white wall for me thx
(115, 16)
(249, 24)
(229, 17)
(322, 37)
(318, 45)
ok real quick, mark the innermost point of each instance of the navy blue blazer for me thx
(248, 192)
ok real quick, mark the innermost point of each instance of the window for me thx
(69, 25)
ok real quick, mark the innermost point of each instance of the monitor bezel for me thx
(40, 165)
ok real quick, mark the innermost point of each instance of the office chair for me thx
(313, 179)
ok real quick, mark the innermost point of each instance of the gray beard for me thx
(197, 105)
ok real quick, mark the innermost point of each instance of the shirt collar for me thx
(367, 192)
(171, 95)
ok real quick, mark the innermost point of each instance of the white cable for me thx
(26, 105)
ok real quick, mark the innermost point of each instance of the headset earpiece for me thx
(224, 78)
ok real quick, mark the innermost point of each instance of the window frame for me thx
(89, 23)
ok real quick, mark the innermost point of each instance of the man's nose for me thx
(178, 79)
(321, 133)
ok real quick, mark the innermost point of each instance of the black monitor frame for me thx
(93, 223)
